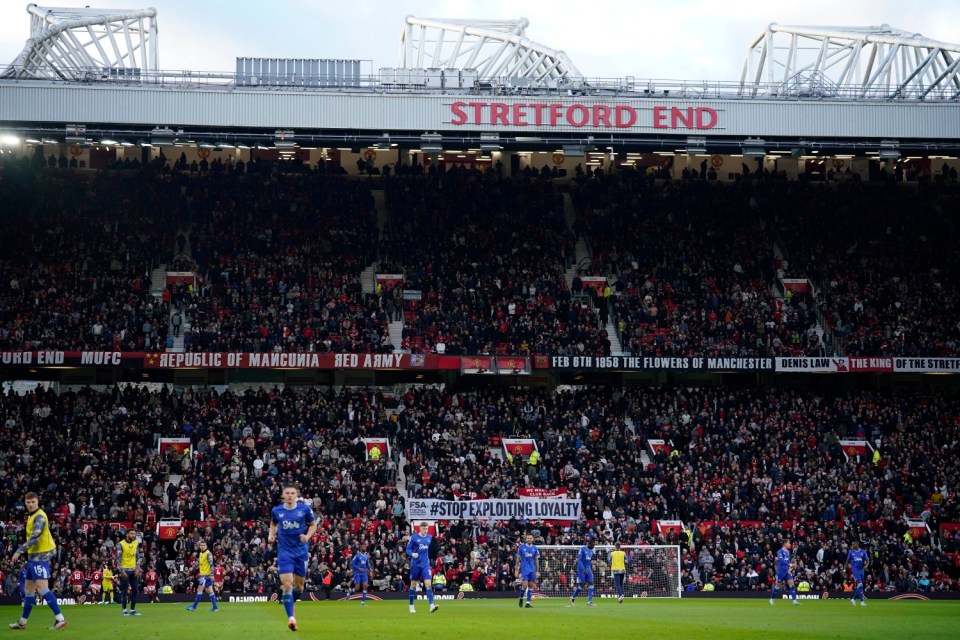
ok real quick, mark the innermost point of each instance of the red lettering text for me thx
(459, 115)
(538, 108)
(677, 118)
(703, 123)
(556, 112)
(577, 115)
(601, 115)
(659, 118)
(498, 113)
(519, 114)
(477, 110)
(625, 116)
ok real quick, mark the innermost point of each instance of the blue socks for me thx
(413, 595)
(793, 593)
(363, 596)
(529, 594)
(199, 597)
(773, 594)
(590, 595)
(287, 600)
(28, 602)
(430, 595)
(576, 592)
(296, 594)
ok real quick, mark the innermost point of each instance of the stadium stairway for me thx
(396, 335)
(368, 278)
(380, 205)
(581, 260)
(178, 340)
(158, 280)
(644, 454)
(616, 349)
(401, 478)
(569, 212)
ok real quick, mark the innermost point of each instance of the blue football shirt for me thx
(421, 546)
(291, 524)
(528, 558)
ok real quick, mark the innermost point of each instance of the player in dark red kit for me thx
(151, 580)
(76, 582)
(95, 584)
(218, 575)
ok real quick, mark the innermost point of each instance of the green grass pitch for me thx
(719, 619)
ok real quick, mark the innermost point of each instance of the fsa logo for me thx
(414, 504)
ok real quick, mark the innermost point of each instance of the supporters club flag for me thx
(917, 528)
(659, 446)
(168, 529)
(513, 365)
(377, 448)
(519, 446)
(545, 494)
(181, 445)
(854, 448)
(476, 364)
(670, 525)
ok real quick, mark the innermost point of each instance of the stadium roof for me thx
(73, 43)
(875, 62)
(496, 49)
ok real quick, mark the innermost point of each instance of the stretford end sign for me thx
(593, 116)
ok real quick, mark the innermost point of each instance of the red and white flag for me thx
(519, 446)
(377, 448)
(181, 445)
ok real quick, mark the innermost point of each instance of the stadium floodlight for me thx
(754, 148)
(48, 141)
(431, 143)
(490, 142)
(32, 141)
(76, 134)
(126, 143)
(284, 145)
(9, 139)
(696, 144)
(889, 149)
(162, 137)
(107, 142)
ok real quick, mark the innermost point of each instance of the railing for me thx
(628, 86)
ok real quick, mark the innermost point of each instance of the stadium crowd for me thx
(695, 267)
(76, 258)
(883, 261)
(489, 257)
(741, 469)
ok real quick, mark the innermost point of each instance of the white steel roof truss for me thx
(497, 49)
(69, 43)
(888, 62)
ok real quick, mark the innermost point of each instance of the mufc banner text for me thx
(495, 509)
